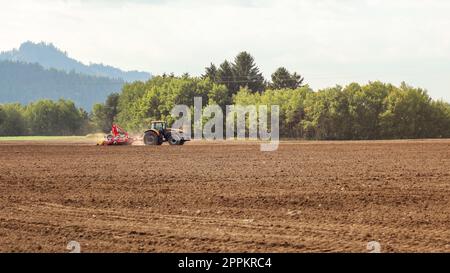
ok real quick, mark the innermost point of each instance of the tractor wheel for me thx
(182, 142)
(150, 138)
(173, 141)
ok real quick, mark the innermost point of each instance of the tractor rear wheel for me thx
(150, 138)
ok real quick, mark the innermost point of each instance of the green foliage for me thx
(219, 95)
(366, 103)
(12, 120)
(440, 119)
(104, 115)
(374, 111)
(327, 114)
(128, 102)
(290, 101)
(142, 102)
(408, 114)
(99, 119)
(2, 115)
(44, 117)
(352, 112)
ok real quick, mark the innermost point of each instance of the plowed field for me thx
(226, 197)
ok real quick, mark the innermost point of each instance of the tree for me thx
(246, 73)
(290, 102)
(128, 102)
(210, 73)
(46, 117)
(42, 117)
(2, 115)
(282, 79)
(103, 115)
(242, 73)
(99, 119)
(408, 114)
(70, 118)
(160, 95)
(219, 95)
(12, 120)
(440, 117)
(366, 103)
(86, 126)
(327, 115)
(111, 105)
(225, 76)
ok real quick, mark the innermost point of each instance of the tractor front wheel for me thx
(173, 141)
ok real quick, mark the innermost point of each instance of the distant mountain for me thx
(48, 56)
(25, 82)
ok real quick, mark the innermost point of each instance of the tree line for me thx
(355, 112)
(44, 118)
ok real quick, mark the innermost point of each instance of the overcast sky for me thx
(328, 41)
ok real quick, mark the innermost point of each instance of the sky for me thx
(329, 42)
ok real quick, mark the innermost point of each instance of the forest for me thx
(375, 110)
(27, 82)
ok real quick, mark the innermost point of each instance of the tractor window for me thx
(158, 126)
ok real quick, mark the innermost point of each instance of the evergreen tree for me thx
(247, 74)
(282, 79)
(210, 72)
(225, 76)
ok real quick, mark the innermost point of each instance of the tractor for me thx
(159, 133)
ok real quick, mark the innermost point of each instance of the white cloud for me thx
(329, 41)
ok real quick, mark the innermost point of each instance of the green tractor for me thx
(159, 133)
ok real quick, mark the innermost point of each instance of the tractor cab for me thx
(159, 126)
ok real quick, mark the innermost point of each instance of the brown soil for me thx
(306, 197)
